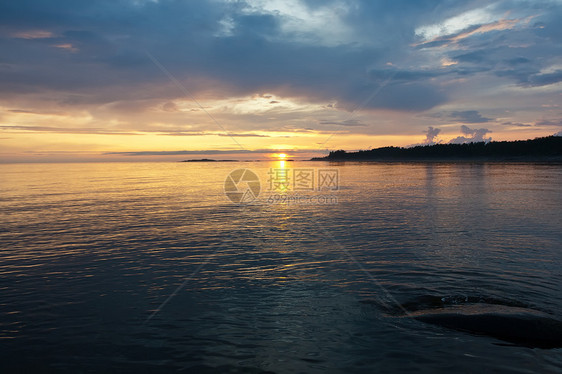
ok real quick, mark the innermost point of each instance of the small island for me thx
(547, 149)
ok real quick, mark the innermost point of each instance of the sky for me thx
(138, 80)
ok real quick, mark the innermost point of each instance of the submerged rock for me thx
(520, 326)
(506, 320)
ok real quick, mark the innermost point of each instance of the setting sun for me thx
(281, 156)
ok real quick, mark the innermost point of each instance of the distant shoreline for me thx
(547, 149)
(548, 160)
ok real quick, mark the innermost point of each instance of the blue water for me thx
(148, 267)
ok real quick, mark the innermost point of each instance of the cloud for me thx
(544, 79)
(304, 23)
(33, 34)
(67, 46)
(430, 135)
(245, 135)
(347, 123)
(469, 116)
(559, 133)
(474, 136)
(102, 131)
(170, 107)
(457, 23)
(516, 124)
(473, 57)
(65, 130)
(213, 152)
(200, 133)
(313, 63)
(395, 75)
(528, 77)
(409, 97)
(517, 61)
(473, 23)
(290, 39)
(269, 46)
(22, 111)
(548, 123)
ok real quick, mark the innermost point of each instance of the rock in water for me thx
(520, 326)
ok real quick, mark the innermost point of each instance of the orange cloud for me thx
(33, 34)
(502, 24)
(67, 46)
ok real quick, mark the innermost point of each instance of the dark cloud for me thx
(65, 130)
(92, 55)
(545, 79)
(517, 61)
(469, 116)
(473, 57)
(549, 123)
(110, 39)
(528, 78)
(347, 123)
(399, 96)
(395, 75)
(516, 124)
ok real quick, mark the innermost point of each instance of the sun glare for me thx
(281, 156)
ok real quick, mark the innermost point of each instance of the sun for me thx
(281, 156)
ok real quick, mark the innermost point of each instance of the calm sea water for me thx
(148, 267)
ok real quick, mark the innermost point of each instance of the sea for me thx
(274, 267)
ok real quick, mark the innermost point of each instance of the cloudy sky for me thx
(170, 79)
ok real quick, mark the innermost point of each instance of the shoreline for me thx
(547, 149)
(509, 160)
